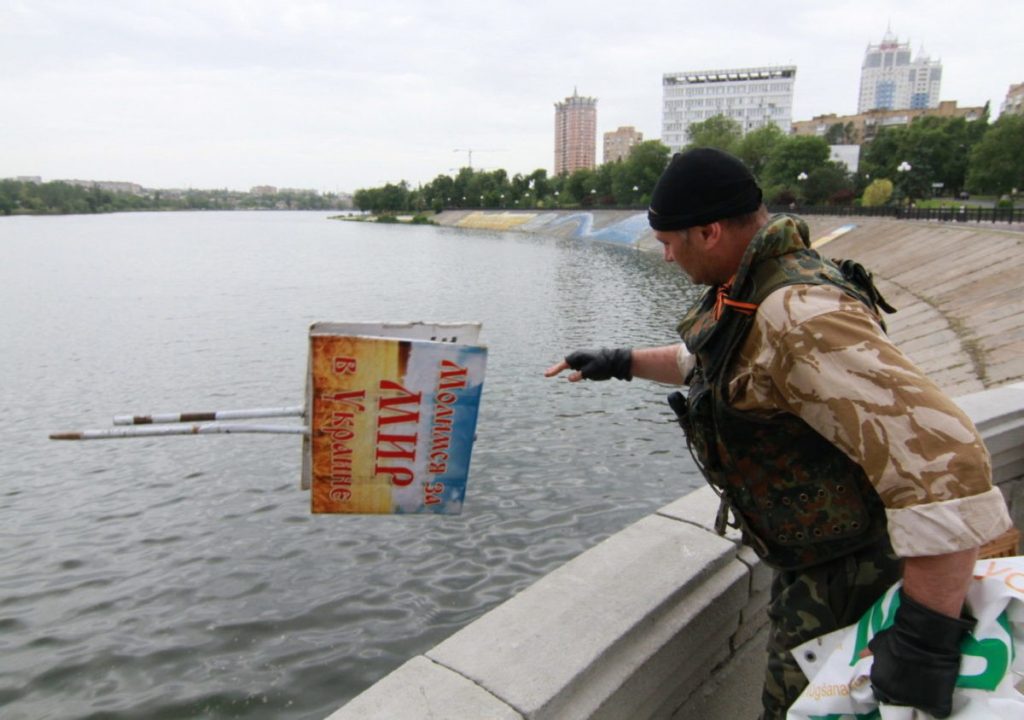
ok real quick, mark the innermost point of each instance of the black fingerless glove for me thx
(602, 364)
(917, 660)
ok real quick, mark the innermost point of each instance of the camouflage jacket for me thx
(814, 353)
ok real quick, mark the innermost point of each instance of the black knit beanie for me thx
(701, 186)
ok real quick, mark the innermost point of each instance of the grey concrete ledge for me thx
(601, 636)
(423, 689)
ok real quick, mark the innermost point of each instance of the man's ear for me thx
(710, 234)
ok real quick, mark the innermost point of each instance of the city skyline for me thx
(339, 96)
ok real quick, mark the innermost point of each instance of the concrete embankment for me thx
(666, 619)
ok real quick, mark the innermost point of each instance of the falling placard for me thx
(392, 412)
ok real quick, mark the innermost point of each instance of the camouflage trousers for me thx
(815, 601)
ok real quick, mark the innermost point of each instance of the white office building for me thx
(753, 97)
(891, 80)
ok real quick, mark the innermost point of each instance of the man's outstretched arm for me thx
(666, 364)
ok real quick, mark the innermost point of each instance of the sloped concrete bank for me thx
(666, 619)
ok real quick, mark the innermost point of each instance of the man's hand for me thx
(601, 364)
(917, 660)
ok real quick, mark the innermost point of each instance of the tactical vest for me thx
(797, 498)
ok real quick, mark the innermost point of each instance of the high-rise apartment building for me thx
(619, 143)
(753, 97)
(891, 80)
(575, 133)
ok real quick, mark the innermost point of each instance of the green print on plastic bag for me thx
(873, 622)
(994, 651)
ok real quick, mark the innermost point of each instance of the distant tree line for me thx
(61, 198)
(939, 156)
(625, 183)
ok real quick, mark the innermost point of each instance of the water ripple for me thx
(184, 577)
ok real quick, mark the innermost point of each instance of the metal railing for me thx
(975, 214)
(944, 214)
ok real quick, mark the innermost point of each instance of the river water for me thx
(184, 577)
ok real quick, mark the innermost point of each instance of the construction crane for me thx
(469, 154)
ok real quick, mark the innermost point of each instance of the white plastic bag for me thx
(992, 664)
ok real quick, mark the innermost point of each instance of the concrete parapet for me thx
(423, 689)
(634, 623)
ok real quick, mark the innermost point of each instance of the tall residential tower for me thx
(891, 80)
(753, 97)
(575, 134)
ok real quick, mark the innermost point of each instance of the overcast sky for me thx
(341, 94)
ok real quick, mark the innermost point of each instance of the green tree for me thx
(641, 170)
(605, 176)
(539, 184)
(931, 148)
(841, 134)
(520, 188)
(720, 132)
(795, 157)
(877, 193)
(390, 198)
(936, 148)
(758, 146)
(880, 157)
(9, 196)
(828, 184)
(997, 160)
(578, 185)
(439, 193)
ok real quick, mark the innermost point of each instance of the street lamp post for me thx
(801, 178)
(904, 169)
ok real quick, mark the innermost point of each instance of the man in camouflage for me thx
(844, 466)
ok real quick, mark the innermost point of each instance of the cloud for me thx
(341, 95)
